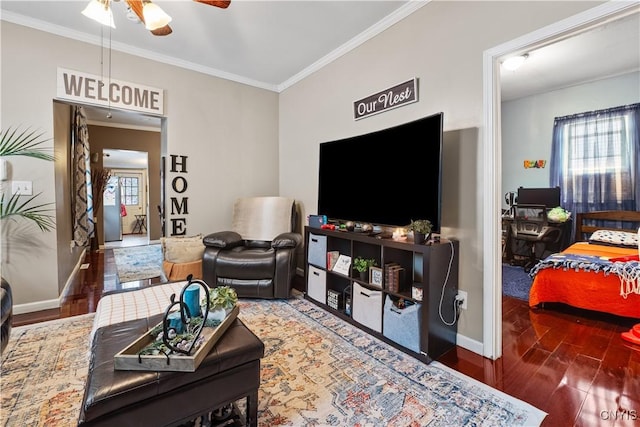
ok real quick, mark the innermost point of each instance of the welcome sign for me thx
(396, 96)
(91, 89)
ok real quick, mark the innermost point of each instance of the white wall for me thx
(527, 124)
(442, 44)
(229, 131)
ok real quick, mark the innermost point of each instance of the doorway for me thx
(130, 168)
(492, 245)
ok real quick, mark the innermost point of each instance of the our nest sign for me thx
(396, 96)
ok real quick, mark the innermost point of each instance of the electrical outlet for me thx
(462, 296)
(22, 188)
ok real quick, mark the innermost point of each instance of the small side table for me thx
(141, 224)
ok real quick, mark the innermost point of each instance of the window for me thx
(594, 159)
(130, 188)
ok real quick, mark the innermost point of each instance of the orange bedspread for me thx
(588, 290)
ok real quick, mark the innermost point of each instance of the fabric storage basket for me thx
(367, 307)
(402, 325)
(317, 284)
(317, 250)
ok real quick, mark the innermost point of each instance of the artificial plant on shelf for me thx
(421, 228)
(27, 142)
(361, 265)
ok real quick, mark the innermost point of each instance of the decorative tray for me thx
(129, 359)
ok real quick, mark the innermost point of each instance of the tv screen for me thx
(386, 178)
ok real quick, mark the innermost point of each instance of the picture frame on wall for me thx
(375, 276)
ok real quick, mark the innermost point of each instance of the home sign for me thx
(396, 96)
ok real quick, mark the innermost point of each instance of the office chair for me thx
(531, 227)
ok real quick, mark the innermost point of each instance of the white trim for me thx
(52, 303)
(399, 14)
(492, 155)
(36, 306)
(468, 343)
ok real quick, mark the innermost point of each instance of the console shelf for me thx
(426, 327)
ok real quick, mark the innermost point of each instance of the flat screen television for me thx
(386, 177)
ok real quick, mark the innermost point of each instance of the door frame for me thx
(492, 155)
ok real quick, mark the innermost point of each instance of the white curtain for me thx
(83, 227)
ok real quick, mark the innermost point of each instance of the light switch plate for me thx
(22, 188)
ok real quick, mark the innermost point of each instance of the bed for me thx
(598, 272)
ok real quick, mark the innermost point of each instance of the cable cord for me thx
(456, 309)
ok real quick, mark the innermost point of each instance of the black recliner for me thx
(258, 255)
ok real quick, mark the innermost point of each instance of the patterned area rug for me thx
(317, 371)
(43, 373)
(516, 282)
(138, 262)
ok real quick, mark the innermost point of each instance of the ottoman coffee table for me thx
(230, 372)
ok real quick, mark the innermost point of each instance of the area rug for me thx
(516, 282)
(43, 372)
(317, 371)
(138, 262)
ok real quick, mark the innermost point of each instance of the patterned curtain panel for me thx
(83, 227)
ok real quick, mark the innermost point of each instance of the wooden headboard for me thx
(627, 217)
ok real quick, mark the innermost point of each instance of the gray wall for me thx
(228, 130)
(442, 44)
(527, 124)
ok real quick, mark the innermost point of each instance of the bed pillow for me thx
(182, 249)
(621, 239)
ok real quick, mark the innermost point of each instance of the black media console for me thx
(412, 305)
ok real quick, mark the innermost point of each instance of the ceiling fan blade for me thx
(162, 31)
(136, 6)
(217, 3)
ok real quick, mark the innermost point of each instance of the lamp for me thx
(514, 62)
(99, 11)
(154, 16)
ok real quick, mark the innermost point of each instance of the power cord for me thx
(457, 303)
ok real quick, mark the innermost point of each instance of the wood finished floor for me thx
(569, 363)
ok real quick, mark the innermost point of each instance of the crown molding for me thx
(399, 14)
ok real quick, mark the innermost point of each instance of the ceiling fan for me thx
(151, 15)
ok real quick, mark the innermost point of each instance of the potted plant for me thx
(25, 143)
(421, 229)
(361, 265)
(222, 299)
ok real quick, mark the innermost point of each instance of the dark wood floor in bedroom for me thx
(569, 363)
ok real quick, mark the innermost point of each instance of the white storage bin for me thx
(402, 325)
(317, 284)
(317, 250)
(367, 307)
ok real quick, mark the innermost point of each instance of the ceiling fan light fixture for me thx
(154, 16)
(99, 11)
(515, 62)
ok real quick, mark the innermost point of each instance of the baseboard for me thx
(36, 306)
(469, 344)
(72, 276)
(53, 303)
